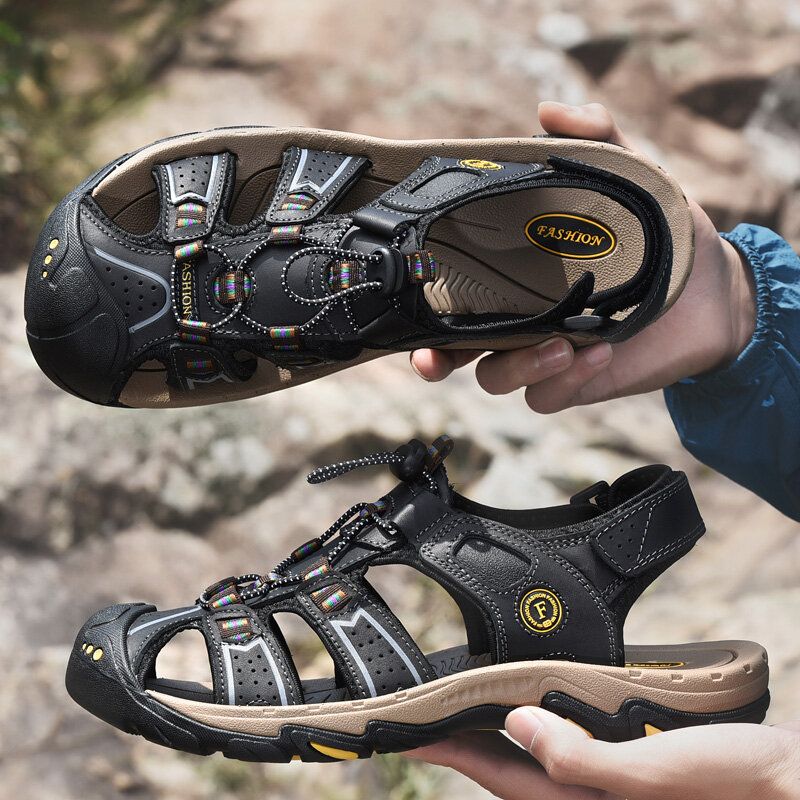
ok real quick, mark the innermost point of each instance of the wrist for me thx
(743, 306)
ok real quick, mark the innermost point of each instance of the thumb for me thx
(559, 745)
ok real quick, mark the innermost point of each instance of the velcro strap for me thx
(310, 181)
(654, 531)
(191, 192)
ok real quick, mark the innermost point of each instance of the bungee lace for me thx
(314, 248)
(349, 525)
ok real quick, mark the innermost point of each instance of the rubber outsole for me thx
(126, 193)
(145, 716)
(663, 688)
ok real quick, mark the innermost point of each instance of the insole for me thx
(325, 690)
(453, 660)
(493, 253)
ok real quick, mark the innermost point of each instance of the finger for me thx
(591, 121)
(570, 756)
(585, 381)
(501, 373)
(435, 365)
(721, 761)
(499, 766)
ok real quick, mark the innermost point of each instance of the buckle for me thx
(389, 270)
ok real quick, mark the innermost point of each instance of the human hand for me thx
(707, 327)
(710, 762)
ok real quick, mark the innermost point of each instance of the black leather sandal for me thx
(227, 264)
(544, 594)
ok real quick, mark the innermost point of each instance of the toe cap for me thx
(75, 330)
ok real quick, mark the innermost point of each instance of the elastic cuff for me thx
(757, 351)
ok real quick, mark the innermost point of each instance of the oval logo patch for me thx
(570, 236)
(540, 610)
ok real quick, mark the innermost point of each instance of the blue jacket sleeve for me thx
(744, 420)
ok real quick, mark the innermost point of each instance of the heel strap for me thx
(657, 530)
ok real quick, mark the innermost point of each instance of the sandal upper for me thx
(552, 583)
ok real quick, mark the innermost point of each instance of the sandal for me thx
(544, 594)
(221, 265)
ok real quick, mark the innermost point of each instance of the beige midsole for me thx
(733, 674)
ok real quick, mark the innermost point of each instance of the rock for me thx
(597, 56)
(729, 101)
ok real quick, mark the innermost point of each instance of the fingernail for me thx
(556, 103)
(414, 367)
(598, 354)
(523, 725)
(554, 353)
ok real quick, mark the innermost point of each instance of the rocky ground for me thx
(98, 505)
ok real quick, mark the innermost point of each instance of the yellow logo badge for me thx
(541, 610)
(570, 236)
(478, 163)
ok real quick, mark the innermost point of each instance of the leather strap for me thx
(650, 532)
(369, 645)
(191, 193)
(250, 663)
(192, 366)
(309, 183)
(438, 185)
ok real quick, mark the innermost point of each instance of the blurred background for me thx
(100, 505)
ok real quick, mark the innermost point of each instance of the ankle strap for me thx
(651, 532)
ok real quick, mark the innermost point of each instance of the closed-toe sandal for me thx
(544, 594)
(221, 265)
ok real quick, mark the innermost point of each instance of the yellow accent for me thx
(53, 244)
(588, 733)
(89, 648)
(98, 654)
(44, 273)
(479, 163)
(540, 610)
(334, 752)
(651, 730)
(296, 758)
(47, 259)
(654, 664)
(83, 646)
(612, 237)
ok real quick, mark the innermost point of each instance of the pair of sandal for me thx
(231, 263)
